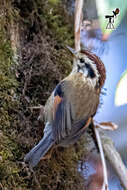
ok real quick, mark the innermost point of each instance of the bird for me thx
(116, 12)
(72, 105)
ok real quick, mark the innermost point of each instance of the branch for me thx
(99, 142)
(78, 21)
(115, 160)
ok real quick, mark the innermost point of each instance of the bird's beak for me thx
(74, 52)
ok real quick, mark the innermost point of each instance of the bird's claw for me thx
(106, 125)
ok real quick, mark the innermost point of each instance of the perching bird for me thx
(116, 12)
(71, 106)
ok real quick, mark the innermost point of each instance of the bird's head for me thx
(89, 65)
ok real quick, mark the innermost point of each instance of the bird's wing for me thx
(62, 119)
(63, 124)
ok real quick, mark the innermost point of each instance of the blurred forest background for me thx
(111, 46)
(33, 59)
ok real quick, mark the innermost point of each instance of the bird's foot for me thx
(48, 155)
(106, 125)
(87, 123)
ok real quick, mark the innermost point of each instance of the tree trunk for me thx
(33, 59)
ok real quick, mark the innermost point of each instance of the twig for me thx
(36, 107)
(30, 172)
(105, 176)
(36, 180)
(115, 159)
(27, 80)
(78, 21)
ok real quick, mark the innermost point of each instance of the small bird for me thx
(71, 106)
(116, 12)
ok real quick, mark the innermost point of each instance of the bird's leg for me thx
(88, 123)
(48, 155)
(106, 125)
(105, 175)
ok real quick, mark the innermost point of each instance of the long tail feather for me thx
(34, 156)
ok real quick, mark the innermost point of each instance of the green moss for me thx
(44, 30)
(9, 170)
(8, 83)
(53, 1)
(10, 151)
(54, 16)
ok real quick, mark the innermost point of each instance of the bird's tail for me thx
(36, 153)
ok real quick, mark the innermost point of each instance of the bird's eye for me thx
(82, 60)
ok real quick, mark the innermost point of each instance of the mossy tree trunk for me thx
(33, 59)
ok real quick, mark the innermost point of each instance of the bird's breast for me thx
(82, 96)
